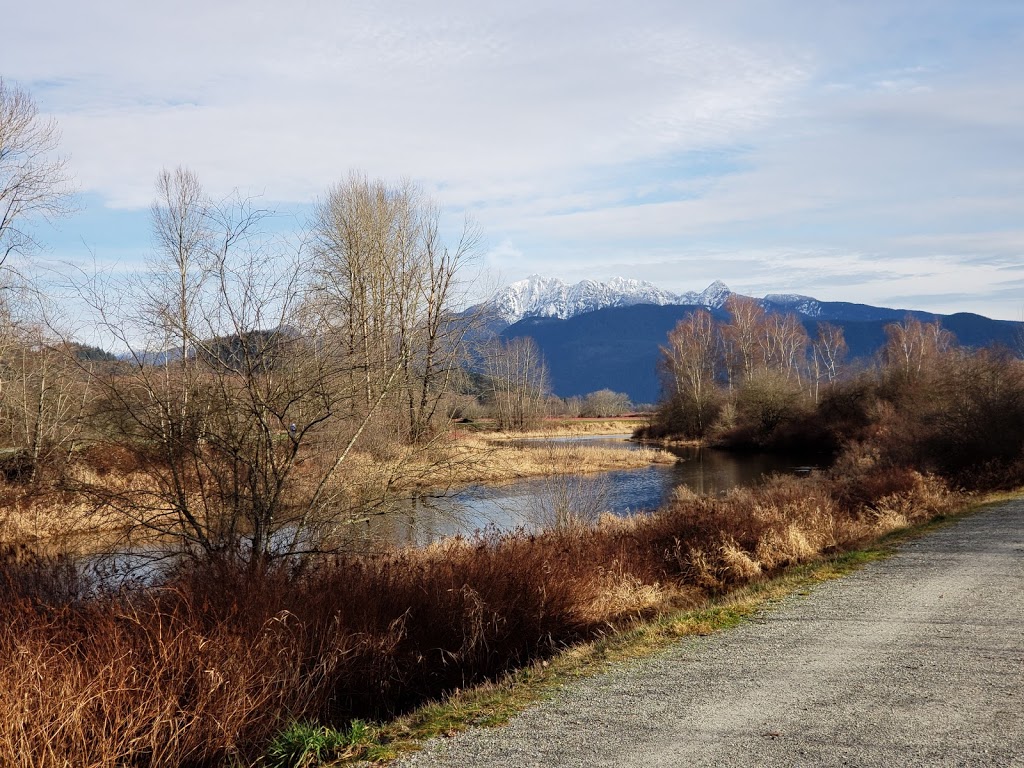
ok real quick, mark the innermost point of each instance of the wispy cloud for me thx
(679, 138)
(469, 98)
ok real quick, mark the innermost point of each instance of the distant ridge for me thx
(597, 335)
(538, 296)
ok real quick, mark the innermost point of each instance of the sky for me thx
(868, 151)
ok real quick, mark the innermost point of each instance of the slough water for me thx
(542, 501)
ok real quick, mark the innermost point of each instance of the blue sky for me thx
(859, 151)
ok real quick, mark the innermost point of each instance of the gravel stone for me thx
(916, 660)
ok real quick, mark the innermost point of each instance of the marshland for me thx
(234, 653)
(257, 411)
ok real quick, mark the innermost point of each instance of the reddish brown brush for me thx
(209, 665)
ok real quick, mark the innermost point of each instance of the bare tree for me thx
(912, 347)
(44, 397)
(605, 402)
(386, 286)
(828, 351)
(690, 361)
(517, 382)
(33, 185)
(242, 423)
(742, 336)
(830, 347)
(33, 179)
(783, 341)
(254, 377)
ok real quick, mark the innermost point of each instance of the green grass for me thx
(308, 745)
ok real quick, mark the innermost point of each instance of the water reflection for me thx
(528, 504)
(708, 471)
(522, 504)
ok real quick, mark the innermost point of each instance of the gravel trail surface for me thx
(917, 660)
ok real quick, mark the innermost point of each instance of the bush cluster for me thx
(959, 413)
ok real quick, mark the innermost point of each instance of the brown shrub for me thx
(209, 664)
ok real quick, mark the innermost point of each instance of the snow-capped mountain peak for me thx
(538, 296)
(793, 302)
(714, 296)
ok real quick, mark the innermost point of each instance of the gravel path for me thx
(915, 660)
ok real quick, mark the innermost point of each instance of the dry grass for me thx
(476, 460)
(791, 521)
(572, 427)
(209, 665)
(64, 521)
(619, 596)
(53, 518)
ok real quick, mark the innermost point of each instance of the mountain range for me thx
(538, 296)
(597, 335)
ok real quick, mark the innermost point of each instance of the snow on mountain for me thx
(538, 296)
(793, 303)
(714, 296)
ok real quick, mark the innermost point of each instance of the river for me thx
(529, 504)
(536, 502)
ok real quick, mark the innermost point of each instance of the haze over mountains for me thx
(597, 335)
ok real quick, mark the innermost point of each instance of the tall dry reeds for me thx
(209, 665)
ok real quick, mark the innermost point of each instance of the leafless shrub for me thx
(569, 501)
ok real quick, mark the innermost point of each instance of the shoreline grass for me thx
(562, 427)
(215, 662)
(493, 704)
(63, 522)
(483, 460)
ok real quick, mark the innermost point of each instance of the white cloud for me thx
(260, 96)
(858, 143)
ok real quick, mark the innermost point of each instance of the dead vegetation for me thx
(211, 663)
(569, 427)
(476, 459)
(70, 515)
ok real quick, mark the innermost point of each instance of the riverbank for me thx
(57, 517)
(561, 427)
(501, 458)
(216, 663)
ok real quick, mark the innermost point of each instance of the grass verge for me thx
(494, 704)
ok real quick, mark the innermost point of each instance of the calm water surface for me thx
(530, 503)
(524, 504)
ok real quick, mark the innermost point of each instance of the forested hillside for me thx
(618, 348)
